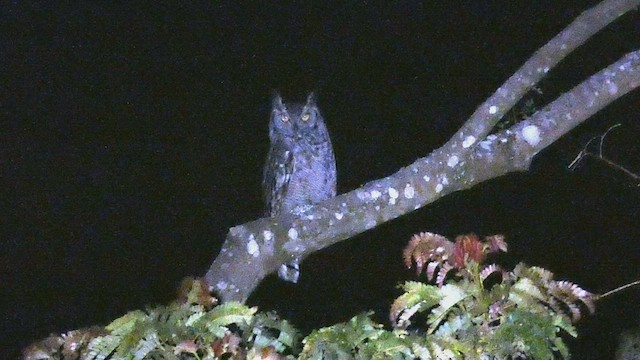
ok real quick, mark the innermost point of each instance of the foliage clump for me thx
(194, 327)
(482, 310)
(473, 310)
(466, 309)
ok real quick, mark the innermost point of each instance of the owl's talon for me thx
(290, 272)
(300, 210)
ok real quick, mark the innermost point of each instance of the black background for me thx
(133, 136)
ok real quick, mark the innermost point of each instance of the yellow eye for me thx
(284, 118)
(305, 117)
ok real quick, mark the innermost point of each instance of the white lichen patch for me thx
(612, 87)
(253, 249)
(493, 109)
(452, 161)
(339, 215)
(301, 209)
(439, 188)
(426, 178)
(268, 243)
(486, 144)
(293, 234)
(393, 195)
(221, 285)
(445, 181)
(468, 141)
(409, 191)
(531, 134)
(375, 194)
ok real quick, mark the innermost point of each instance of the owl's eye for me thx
(305, 117)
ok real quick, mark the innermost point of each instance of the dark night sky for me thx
(133, 136)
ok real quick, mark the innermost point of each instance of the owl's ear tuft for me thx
(276, 103)
(311, 98)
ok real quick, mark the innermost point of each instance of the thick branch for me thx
(256, 249)
(493, 109)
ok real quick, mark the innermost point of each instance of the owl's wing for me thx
(275, 182)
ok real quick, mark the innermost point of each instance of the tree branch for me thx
(253, 250)
(580, 30)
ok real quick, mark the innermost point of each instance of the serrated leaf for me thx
(451, 296)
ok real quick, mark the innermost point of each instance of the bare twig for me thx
(619, 288)
(600, 156)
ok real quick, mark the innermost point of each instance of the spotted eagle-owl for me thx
(301, 169)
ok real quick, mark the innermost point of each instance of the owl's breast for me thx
(313, 178)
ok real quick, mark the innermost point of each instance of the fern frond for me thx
(102, 347)
(442, 274)
(268, 330)
(340, 341)
(427, 248)
(527, 287)
(126, 323)
(570, 293)
(496, 243)
(418, 297)
(194, 291)
(451, 295)
(529, 334)
(231, 313)
(387, 345)
(146, 345)
(489, 270)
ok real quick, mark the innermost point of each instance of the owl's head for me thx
(296, 120)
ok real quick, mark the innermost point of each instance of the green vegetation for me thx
(466, 309)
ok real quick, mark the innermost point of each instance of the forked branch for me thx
(254, 250)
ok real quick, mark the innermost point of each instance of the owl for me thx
(300, 170)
